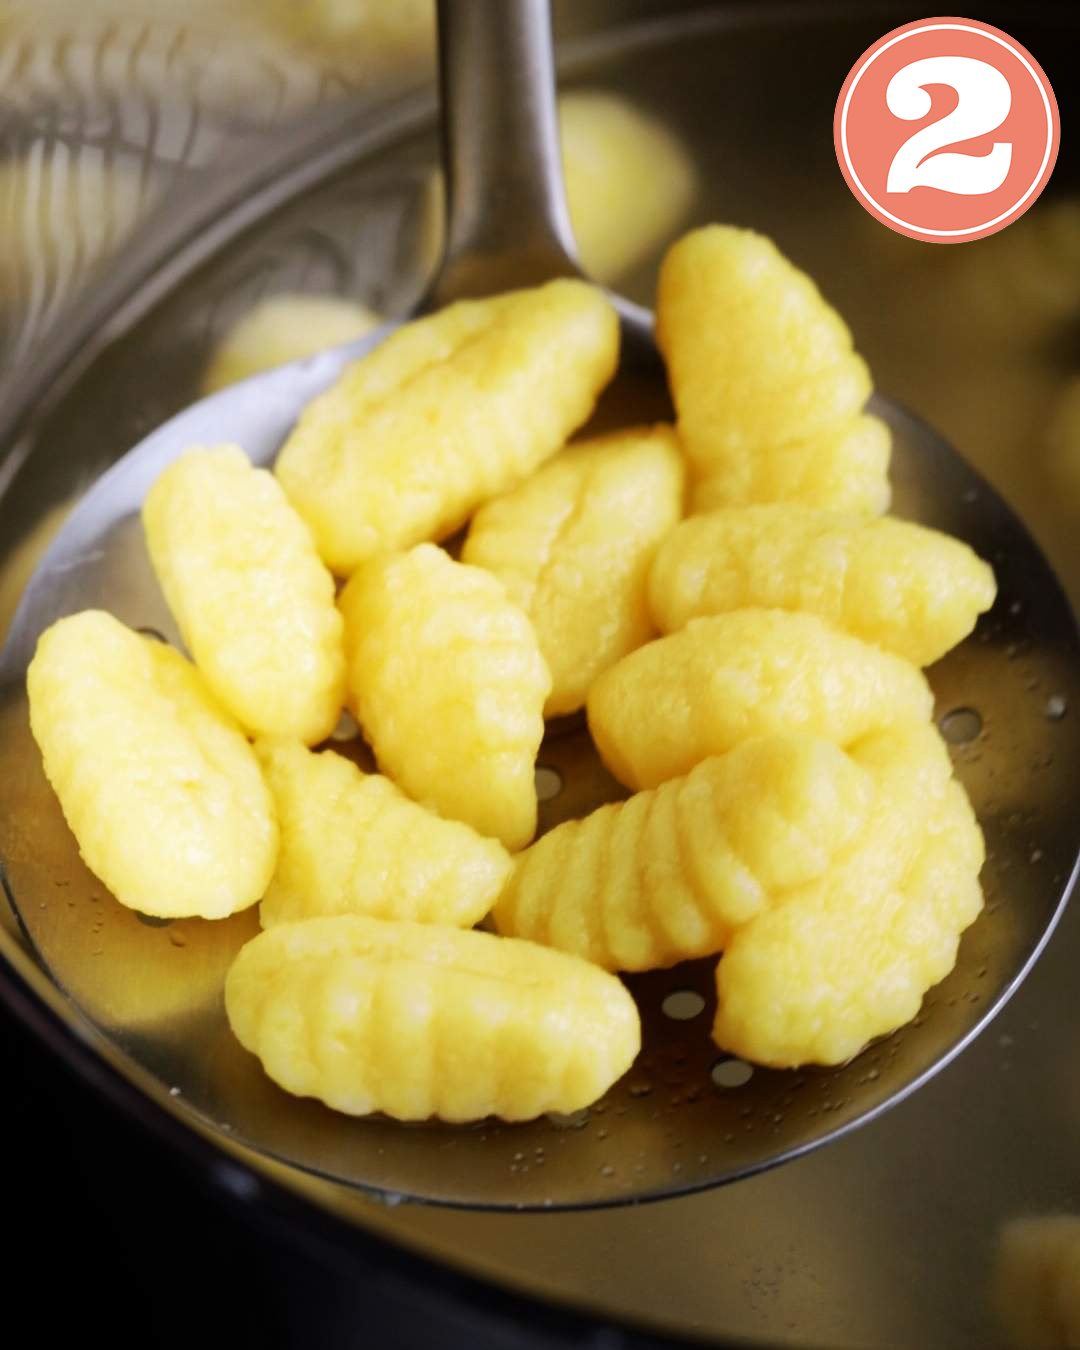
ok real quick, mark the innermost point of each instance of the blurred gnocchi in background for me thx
(284, 328)
(110, 111)
(1036, 1281)
(139, 99)
(630, 183)
(378, 33)
(610, 149)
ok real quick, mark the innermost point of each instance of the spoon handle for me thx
(507, 223)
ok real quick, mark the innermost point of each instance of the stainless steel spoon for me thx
(150, 1001)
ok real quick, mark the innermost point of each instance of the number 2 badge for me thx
(946, 130)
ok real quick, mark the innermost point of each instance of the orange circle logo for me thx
(946, 130)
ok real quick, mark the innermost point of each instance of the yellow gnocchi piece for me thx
(417, 1020)
(446, 677)
(157, 783)
(352, 843)
(285, 328)
(760, 366)
(610, 148)
(447, 412)
(572, 546)
(757, 357)
(911, 590)
(753, 672)
(254, 604)
(849, 957)
(666, 876)
(842, 469)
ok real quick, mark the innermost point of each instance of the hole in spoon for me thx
(549, 782)
(347, 728)
(961, 726)
(682, 1004)
(731, 1073)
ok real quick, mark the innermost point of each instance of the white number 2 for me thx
(985, 100)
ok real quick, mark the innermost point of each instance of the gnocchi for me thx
(752, 672)
(842, 469)
(254, 603)
(446, 677)
(572, 546)
(849, 956)
(667, 875)
(764, 373)
(418, 1020)
(914, 591)
(446, 413)
(353, 843)
(161, 790)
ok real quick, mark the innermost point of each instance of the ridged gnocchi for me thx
(762, 367)
(253, 602)
(667, 875)
(850, 956)
(161, 790)
(353, 843)
(912, 590)
(752, 672)
(448, 412)
(572, 546)
(842, 469)
(446, 677)
(417, 1020)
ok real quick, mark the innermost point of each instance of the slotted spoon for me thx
(148, 996)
